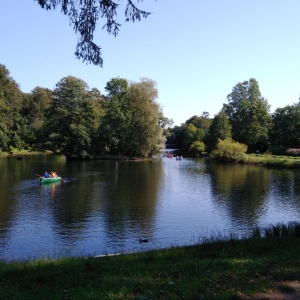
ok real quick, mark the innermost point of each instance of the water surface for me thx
(107, 206)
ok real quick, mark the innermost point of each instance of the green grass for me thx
(228, 269)
(275, 161)
(16, 152)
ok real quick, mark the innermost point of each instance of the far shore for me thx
(264, 160)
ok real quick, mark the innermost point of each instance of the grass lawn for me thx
(231, 269)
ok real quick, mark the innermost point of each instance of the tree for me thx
(200, 122)
(84, 15)
(166, 125)
(191, 134)
(146, 134)
(220, 129)
(175, 139)
(71, 119)
(3, 123)
(11, 122)
(248, 113)
(183, 136)
(286, 126)
(115, 123)
(131, 124)
(33, 112)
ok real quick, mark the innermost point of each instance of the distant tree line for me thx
(80, 122)
(244, 119)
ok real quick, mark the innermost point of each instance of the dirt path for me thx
(288, 290)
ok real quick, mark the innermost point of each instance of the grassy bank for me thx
(229, 269)
(274, 161)
(22, 152)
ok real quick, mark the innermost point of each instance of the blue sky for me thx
(196, 51)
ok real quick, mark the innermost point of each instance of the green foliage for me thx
(183, 136)
(229, 150)
(33, 113)
(131, 124)
(84, 15)
(286, 126)
(220, 129)
(11, 121)
(248, 113)
(71, 119)
(145, 136)
(197, 147)
(117, 115)
(200, 122)
(80, 122)
(272, 161)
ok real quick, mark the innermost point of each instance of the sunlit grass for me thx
(269, 160)
(223, 269)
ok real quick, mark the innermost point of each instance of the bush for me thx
(229, 150)
(197, 147)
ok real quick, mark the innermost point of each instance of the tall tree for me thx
(35, 105)
(84, 15)
(131, 124)
(146, 134)
(220, 129)
(117, 115)
(248, 113)
(71, 119)
(11, 99)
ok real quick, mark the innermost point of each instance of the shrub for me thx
(197, 147)
(11, 149)
(229, 150)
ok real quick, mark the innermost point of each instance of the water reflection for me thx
(241, 190)
(107, 206)
(249, 192)
(109, 201)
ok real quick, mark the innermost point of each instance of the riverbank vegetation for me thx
(245, 119)
(79, 122)
(218, 268)
(231, 151)
(82, 123)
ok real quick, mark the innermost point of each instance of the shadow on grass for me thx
(224, 269)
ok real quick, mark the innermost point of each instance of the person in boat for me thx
(46, 175)
(53, 174)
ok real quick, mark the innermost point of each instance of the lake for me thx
(105, 207)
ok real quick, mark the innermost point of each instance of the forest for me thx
(82, 123)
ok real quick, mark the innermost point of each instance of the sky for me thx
(195, 50)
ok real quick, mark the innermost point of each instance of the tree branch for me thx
(84, 15)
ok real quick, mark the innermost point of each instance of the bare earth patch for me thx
(287, 290)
